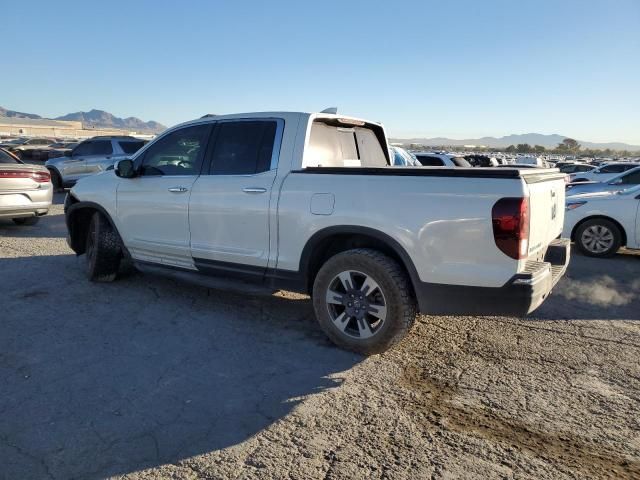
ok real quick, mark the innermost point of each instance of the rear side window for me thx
(131, 147)
(429, 161)
(101, 147)
(243, 148)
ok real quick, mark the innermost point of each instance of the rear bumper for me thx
(521, 295)
(26, 211)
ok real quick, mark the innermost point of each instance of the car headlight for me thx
(574, 205)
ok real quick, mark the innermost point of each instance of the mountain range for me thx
(548, 141)
(96, 119)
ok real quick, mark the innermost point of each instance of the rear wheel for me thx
(598, 238)
(26, 220)
(102, 250)
(363, 301)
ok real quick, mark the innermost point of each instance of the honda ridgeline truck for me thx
(308, 202)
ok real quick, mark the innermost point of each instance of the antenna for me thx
(333, 110)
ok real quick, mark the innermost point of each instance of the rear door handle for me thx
(178, 189)
(254, 190)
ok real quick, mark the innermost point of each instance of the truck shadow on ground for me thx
(106, 379)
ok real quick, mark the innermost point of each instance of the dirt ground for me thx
(146, 378)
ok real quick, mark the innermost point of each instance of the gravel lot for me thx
(147, 378)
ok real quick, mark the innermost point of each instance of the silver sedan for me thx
(25, 190)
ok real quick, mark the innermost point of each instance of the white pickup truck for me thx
(308, 202)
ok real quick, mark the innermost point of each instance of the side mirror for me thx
(125, 168)
(68, 153)
(616, 182)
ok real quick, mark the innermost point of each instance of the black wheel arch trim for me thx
(321, 235)
(72, 209)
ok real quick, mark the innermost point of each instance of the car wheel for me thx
(26, 220)
(598, 238)
(102, 250)
(363, 301)
(56, 181)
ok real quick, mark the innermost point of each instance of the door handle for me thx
(178, 189)
(254, 190)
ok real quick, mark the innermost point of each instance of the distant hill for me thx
(548, 141)
(13, 114)
(97, 119)
(102, 119)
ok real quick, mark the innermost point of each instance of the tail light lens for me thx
(39, 177)
(511, 226)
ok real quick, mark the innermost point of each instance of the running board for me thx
(207, 281)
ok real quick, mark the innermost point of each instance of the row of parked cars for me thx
(37, 148)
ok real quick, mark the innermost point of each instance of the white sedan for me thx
(601, 223)
(603, 173)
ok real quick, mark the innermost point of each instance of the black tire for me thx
(103, 250)
(26, 220)
(56, 181)
(608, 229)
(393, 290)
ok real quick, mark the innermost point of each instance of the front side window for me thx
(243, 148)
(83, 149)
(632, 178)
(101, 147)
(177, 153)
(612, 169)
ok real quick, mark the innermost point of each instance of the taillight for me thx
(510, 218)
(40, 177)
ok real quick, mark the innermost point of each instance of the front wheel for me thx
(598, 238)
(363, 301)
(102, 250)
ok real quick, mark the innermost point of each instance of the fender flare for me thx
(323, 234)
(72, 209)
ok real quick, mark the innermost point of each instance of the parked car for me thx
(531, 160)
(622, 181)
(572, 167)
(22, 148)
(25, 190)
(56, 149)
(484, 161)
(90, 157)
(305, 202)
(430, 159)
(601, 223)
(603, 173)
(401, 158)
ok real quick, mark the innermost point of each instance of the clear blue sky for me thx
(449, 68)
